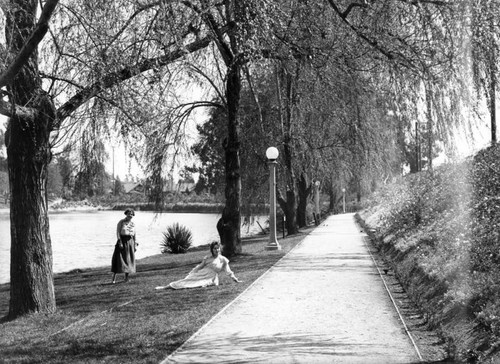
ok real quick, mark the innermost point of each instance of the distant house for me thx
(133, 188)
(180, 187)
(185, 186)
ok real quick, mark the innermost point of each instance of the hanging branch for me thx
(115, 78)
(390, 55)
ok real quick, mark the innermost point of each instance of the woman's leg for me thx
(114, 278)
(126, 277)
(163, 287)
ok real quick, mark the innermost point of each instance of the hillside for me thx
(440, 233)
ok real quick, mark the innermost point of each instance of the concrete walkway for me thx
(324, 302)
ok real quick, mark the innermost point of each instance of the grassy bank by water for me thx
(97, 322)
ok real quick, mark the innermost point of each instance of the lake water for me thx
(87, 239)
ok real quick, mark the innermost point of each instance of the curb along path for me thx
(324, 302)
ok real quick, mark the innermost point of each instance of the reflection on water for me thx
(87, 239)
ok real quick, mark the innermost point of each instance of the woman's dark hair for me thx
(129, 211)
(213, 244)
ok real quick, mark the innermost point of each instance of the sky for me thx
(122, 165)
(126, 167)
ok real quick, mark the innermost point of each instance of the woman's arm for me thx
(119, 229)
(228, 270)
(136, 244)
(135, 237)
(201, 265)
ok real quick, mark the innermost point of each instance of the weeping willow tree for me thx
(91, 178)
(103, 62)
(419, 62)
(485, 47)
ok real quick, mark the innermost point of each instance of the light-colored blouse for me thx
(125, 227)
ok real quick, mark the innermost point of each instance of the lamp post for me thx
(343, 199)
(272, 154)
(316, 202)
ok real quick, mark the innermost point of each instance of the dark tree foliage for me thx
(91, 181)
(210, 153)
(54, 181)
(92, 178)
(118, 188)
(66, 171)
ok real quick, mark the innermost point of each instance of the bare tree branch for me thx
(390, 55)
(432, 2)
(31, 44)
(211, 82)
(210, 21)
(7, 109)
(62, 79)
(373, 43)
(115, 78)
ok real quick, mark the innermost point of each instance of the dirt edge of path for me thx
(444, 332)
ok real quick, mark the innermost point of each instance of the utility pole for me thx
(113, 166)
(418, 156)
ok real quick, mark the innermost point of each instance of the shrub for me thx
(451, 220)
(177, 239)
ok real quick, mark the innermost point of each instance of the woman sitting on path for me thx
(207, 272)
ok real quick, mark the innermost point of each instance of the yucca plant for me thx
(177, 239)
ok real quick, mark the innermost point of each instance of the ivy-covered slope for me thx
(441, 234)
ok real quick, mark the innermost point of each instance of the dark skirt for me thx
(123, 260)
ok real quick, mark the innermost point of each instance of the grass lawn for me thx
(97, 322)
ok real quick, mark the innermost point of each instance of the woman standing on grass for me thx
(123, 260)
(207, 272)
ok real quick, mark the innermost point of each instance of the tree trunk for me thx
(332, 207)
(230, 231)
(358, 189)
(430, 126)
(289, 207)
(492, 63)
(493, 105)
(304, 190)
(28, 153)
(291, 216)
